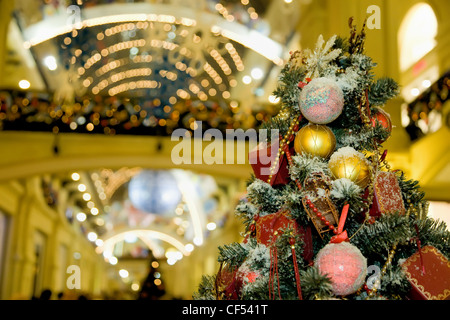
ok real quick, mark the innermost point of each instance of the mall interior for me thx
(93, 202)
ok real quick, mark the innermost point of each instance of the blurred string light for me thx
(246, 79)
(135, 286)
(81, 216)
(75, 176)
(47, 30)
(211, 226)
(257, 73)
(50, 63)
(92, 236)
(123, 273)
(24, 84)
(145, 236)
(139, 112)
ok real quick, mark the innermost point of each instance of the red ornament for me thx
(387, 196)
(344, 264)
(262, 158)
(434, 283)
(379, 116)
(269, 227)
(227, 284)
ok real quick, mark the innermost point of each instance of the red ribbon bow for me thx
(302, 84)
(342, 234)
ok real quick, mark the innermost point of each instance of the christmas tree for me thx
(329, 219)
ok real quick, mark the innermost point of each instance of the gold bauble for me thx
(351, 164)
(315, 139)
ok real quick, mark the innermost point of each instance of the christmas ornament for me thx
(270, 226)
(317, 140)
(321, 101)
(267, 162)
(344, 264)
(387, 195)
(351, 164)
(268, 229)
(434, 283)
(226, 284)
(318, 205)
(296, 59)
(380, 117)
(154, 192)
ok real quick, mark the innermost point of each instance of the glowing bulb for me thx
(189, 247)
(75, 176)
(81, 216)
(274, 99)
(81, 187)
(198, 241)
(135, 287)
(24, 84)
(246, 79)
(426, 83)
(50, 62)
(86, 196)
(113, 260)
(257, 73)
(415, 92)
(211, 226)
(94, 211)
(92, 236)
(123, 273)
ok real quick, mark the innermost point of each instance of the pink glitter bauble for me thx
(321, 101)
(344, 264)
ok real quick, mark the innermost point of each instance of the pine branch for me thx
(315, 285)
(394, 284)
(275, 123)
(411, 193)
(206, 289)
(246, 212)
(305, 164)
(383, 90)
(287, 89)
(292, 199)
(433, 232)
(266, 198)
(379, 237)
(232, 254)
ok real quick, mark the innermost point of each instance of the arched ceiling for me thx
(219, 54)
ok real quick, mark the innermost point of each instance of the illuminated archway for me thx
(416, 36)
(147, 236)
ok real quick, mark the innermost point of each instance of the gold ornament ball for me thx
(315, 139)
(351, 164)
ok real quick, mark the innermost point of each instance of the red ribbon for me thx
(420, 250)
(341, 235)
(297, 273)
(302, 84)
(273, 273)
(383, 156)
